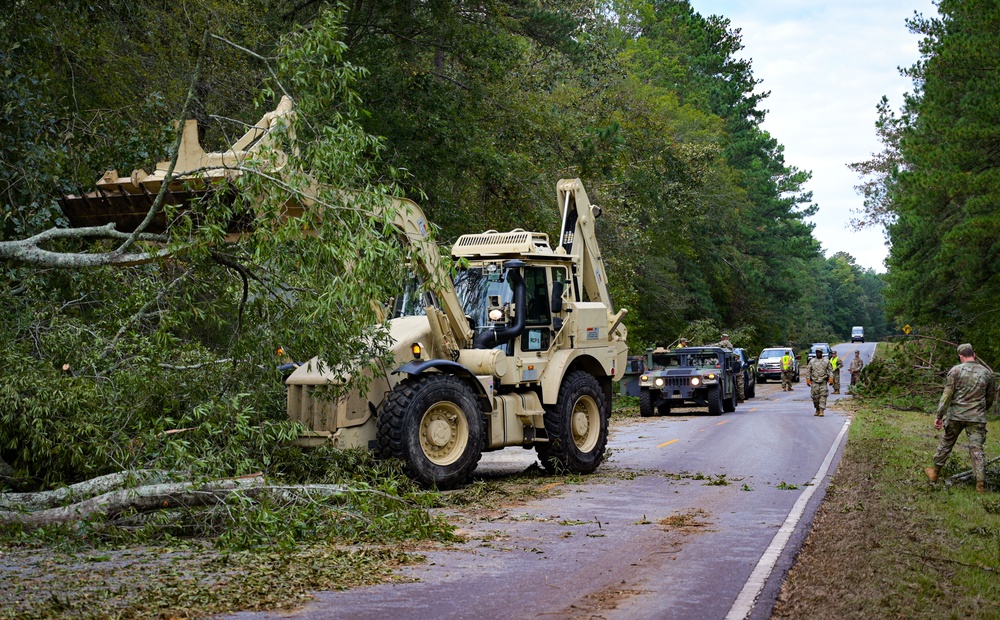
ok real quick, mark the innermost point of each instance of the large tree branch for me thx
(30, 251)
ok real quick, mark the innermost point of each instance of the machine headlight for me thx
(496, 314)
(658, 382)
(644, 378)
(710, 376)
(695, 381)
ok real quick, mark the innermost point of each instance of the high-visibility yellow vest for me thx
(786, 362)
(834, 362)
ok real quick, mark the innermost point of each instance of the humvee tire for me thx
(577, 426)
(714, 399)
(645, 404)
(729, 404)
(434, 425)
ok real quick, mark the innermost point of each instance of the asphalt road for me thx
(693, 516)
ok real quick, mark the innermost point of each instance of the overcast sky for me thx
(827, 63)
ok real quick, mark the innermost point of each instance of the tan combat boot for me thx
(790, 389)
(817, 412)
(980, 486)
(820, 414)
(932, 473)
(836, 391)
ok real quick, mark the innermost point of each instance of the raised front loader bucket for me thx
(125, 201)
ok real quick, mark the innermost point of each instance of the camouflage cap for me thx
(725, 335)
(965, 350)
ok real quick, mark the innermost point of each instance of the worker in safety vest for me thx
(835, 364)
(787, 371)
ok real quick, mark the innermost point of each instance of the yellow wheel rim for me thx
(586, 423)
(444, 433)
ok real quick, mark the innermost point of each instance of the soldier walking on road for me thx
(969, 391)
(787, 371)
(855, 368)
(818, 375)
(835, 364)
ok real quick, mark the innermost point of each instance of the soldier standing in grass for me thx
(818, 375)
(969, 391)
(835, 364)
(855, 368)
(787, 371)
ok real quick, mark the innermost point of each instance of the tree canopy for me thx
(936, 184)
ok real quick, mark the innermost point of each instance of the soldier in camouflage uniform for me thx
(741, 387)
(818, 375)
(969, 391)
(855, 368)
(835, 364)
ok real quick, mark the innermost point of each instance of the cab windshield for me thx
(474, 287)
(771, 354)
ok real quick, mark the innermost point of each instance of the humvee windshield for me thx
(691, 360)
(706, 359)
(666, 360)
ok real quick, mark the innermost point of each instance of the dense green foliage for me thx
(473, 110)
(937, 184)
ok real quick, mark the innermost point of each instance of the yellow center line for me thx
(667, 443)
(753, 409)
(721, 423)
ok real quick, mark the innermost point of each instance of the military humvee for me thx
(702, 376)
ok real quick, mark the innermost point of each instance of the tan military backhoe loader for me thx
(520, 348)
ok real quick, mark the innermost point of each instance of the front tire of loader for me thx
(577, 426)
(434, 425)
(645, 403)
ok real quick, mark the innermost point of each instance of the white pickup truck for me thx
(769, 364)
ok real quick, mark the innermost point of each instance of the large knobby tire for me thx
(433, 424)
(577, 426)
(729, 404)
(645, 403)
(714, 398)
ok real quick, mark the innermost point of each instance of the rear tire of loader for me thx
(577, 426)
(434, 425)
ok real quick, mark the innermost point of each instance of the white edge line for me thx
(755, 582)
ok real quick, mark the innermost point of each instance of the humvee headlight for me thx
(695, 381)
(710, 376)
(644, 378)
(416, 349)
(496, 314)
(658, 382)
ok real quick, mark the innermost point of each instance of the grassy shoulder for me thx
(888, 544)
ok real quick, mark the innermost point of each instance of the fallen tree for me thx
(35, 510)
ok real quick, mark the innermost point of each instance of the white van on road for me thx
(857, 334)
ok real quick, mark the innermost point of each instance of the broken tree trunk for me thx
(140, 499)
(81, 490)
